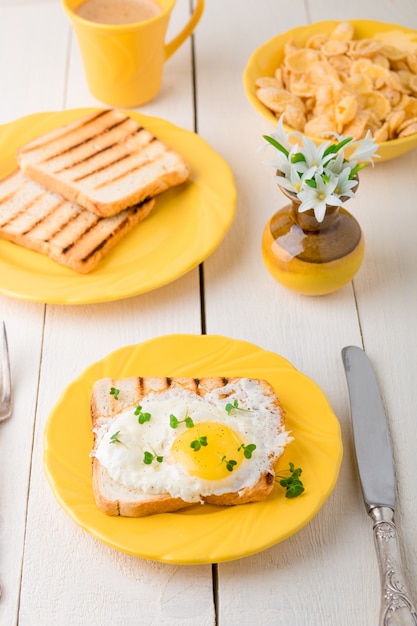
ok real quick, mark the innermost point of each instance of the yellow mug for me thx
(123, 63)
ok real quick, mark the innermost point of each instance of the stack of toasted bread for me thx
(82, 187)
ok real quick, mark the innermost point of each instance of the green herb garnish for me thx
(114, 392)
(148, 457)
(174, 421)
(247, 450)
(229, 407)
(230, 464)
(142, 417)
(115, 438)
(293, 485)
(198, 443)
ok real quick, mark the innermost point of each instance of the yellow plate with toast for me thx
(185, 227)
(200, 533)
(264, 61)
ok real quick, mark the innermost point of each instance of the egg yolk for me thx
(210, 461)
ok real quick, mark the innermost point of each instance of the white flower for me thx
(314, 157)
(317, 198)
(365, 150)
(319, 175)
(336, 164)
(345, 186)
(281, 136)
(292, 181)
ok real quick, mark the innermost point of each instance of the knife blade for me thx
(377, 477)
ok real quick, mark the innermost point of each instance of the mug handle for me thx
(175, 43)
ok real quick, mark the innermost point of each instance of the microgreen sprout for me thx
(174, 421)
(230, 464)
(148, 457)
(292, 483)
(114, 392)
(142, 417)
(229, 407)
(115, 438)
(197, 444)
(247, 450)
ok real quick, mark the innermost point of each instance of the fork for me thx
(6, 380)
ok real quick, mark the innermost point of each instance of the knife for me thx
(376, 471)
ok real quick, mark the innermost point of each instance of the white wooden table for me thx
(54, 573)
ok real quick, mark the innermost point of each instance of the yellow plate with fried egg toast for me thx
(201, 533)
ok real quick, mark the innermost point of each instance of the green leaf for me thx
(115, 437)
(356, 169)
(298, 157)
(247, 450)
(114, 392)
(229, 407)
(276, 144)
(230, 465)
(148, 458)
(142, 417)
(292, 483)
(197, 443)
(294, 491)
(335, 147)
(173, 421)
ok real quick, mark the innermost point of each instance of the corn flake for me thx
(338, 83)
(301, 60)
(319, 126)
(316, 41)
(268, 81)
(334, 47)
(345, 112)
(343, 32)
(341, 63)
(411, 129)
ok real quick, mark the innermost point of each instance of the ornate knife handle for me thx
(397, 608)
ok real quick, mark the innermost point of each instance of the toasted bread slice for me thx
(105, 162)
(116, 495)
(40, 220)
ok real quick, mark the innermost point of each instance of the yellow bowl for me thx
(265, 60)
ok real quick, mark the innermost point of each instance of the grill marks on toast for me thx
(81, 155)
(105, 162)
(91, 156)
(74, 147)
(93, 230)
(46, 222)
(59, 136)
(133, 389)
(110, 180)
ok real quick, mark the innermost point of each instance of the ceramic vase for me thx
(310, 257)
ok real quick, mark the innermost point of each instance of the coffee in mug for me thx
(124, 60)
(118, 11)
